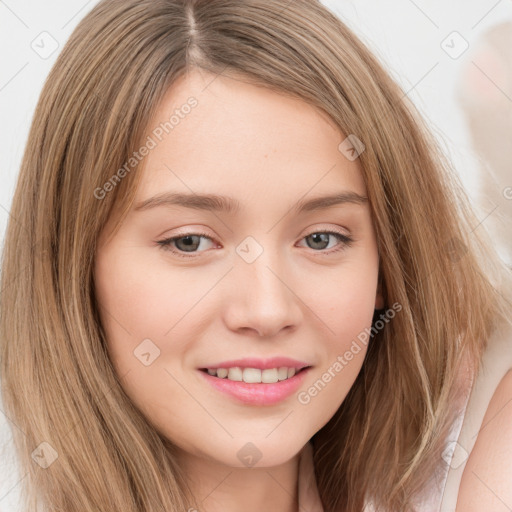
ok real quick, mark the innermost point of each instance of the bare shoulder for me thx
(487, 479)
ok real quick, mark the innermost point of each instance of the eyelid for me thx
(165, 244)
(344, 239)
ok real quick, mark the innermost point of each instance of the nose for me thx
(264, 298)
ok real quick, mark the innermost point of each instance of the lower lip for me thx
(259, 393)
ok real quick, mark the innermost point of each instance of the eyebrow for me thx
(217, 203)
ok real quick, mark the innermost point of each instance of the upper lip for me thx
(262, 364)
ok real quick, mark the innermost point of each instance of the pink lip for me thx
(262, 364)
(259, 393)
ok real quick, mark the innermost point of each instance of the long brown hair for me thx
(59, 386)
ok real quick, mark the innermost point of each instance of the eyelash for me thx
(346, 242)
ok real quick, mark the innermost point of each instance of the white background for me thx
(406, 35)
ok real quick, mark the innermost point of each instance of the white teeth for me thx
(269, 376)
(222, 373)
(235, 373)
(254, 375)
(282, 373)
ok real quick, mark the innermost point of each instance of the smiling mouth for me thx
(254, 375)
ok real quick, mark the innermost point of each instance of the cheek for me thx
(142, 298)
(132, 306)
(138, 311)
(351, 313)
(345, 304)
(346, 301)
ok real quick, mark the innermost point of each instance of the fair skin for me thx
(301, 298)
(486, 481)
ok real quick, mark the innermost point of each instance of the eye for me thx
(191, 242)
(188, 243)
(319, 241)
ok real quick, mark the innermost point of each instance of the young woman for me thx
(241, 274)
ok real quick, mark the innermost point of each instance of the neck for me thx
(220, 488)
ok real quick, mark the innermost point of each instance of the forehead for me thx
(245, 139)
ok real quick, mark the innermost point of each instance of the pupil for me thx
(188, 242)
(317, 238)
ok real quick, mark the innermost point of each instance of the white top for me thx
(496, 362)
(441, 494)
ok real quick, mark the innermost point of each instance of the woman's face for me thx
(280, 274)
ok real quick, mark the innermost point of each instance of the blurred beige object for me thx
(484, 92)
